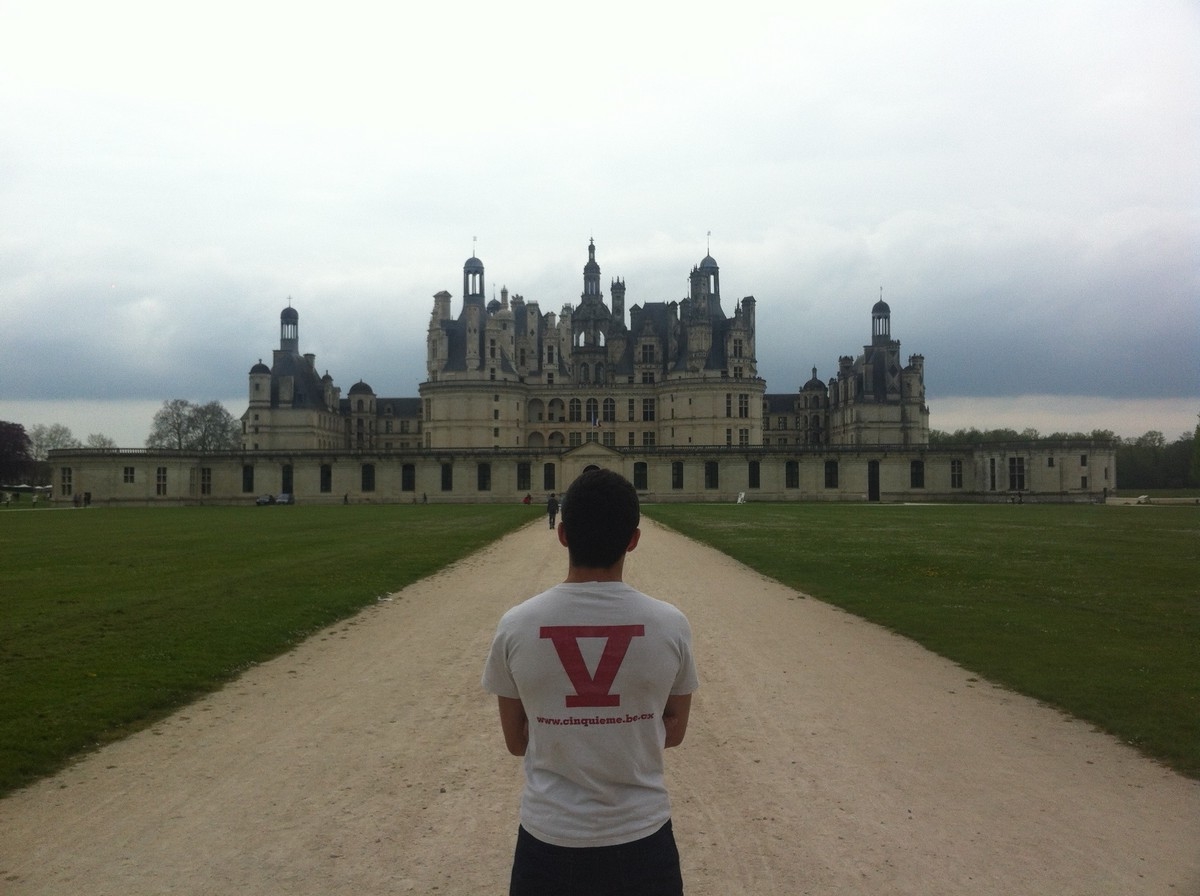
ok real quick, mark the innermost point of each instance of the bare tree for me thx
(45, 439)
(184, 426)
(214, 428)
(99, 440)
(172, 425)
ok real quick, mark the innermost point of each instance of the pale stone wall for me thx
(1067, 471)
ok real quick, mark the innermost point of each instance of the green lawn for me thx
(1094, 609)
(110, 619)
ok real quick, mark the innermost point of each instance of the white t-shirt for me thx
(593, 664)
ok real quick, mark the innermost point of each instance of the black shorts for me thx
(646, 867)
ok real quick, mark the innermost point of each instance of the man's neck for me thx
(576, 574)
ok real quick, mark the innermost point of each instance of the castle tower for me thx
(289, 330)
(473, 287)
(617, 289)
(881, 323)
(706, 288)
(591, 276)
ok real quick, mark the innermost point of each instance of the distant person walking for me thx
(552, 508)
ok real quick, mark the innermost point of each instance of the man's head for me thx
(600, 516)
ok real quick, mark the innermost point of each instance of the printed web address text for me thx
(596, 720)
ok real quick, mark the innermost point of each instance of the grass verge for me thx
(112, 618)
(1092, 609)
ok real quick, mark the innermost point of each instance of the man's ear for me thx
(633, 542)
(562, 535)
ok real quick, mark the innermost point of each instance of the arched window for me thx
(610, 411)
(593, 411)
(575, 411)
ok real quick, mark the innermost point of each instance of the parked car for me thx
(263, 500)
(286, 498)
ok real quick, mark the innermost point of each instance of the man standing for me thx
(593, 680)
(552, 508)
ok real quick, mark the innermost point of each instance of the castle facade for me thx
(518, 400)
(505, 374)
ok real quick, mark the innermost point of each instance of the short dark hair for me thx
(600, 514)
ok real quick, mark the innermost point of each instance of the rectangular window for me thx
(728, 404)
(743, 405)
(1016, 474)
(916, 474)
(428, 410)
(647, 410)
(368, 477)
(247, 478)
(640, 477)
(206, 480)
(326, 478)
(992, 474)
(831, 474)
(286, 477)
(408, 478)
(66, 481)
(1083, 460)
(524, 476)
(743, 438)
(548, 477)
(712, 474)
(647, 377)
(483, 477)
(956, 479)
(647, 353)
(791, 474)
(1050, 461)
(729, 438)
(608, 439)
(1083, 482)
(447, 477)
(631, 408)
(753, 474)
(129, 475)
(783, 422)
(574, 439)
(677, 474)
(160, 481)
(648, 439)
(632, 439)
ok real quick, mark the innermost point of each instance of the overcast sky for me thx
(1022, 179)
